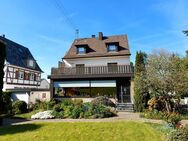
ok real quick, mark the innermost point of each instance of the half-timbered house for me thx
(21, 71)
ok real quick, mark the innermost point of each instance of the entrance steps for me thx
(125, 107)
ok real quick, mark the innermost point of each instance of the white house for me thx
(93, 67)
(21, 70)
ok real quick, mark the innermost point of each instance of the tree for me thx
(2, 60)
(140, 89)
(167, 76)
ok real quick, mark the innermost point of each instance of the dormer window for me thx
(112, 48)
(31, 63)
(81, 50)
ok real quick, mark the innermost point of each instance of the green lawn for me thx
(82, 131)
(26, 115)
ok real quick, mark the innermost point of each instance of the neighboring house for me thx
(31, 95)
(21, 70)
(93, 67)
(44, 84)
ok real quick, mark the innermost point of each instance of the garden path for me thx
(121, 116)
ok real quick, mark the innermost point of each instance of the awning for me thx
(103, 83)
(93, 83)
(68, 84)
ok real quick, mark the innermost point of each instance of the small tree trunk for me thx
(167, 106)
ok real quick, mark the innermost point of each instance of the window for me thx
(43, 95)
(81, 50)
(112, 67)
(31, 76)
(21, 75)
(31, 63)
(85, 92)
(79, 68)
(112, 48)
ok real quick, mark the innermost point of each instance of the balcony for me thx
(92, 71)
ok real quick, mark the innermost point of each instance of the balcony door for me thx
(79, 68)
(112, 67)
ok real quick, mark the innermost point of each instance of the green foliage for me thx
(72, 109)
(173, 119)
(167, 76)
(180, 134)
(77, 102)
(59, 114)
(103, 100)
(140, 89)
(76, 112)
(6, 102)
(57, 108)
(19, 107)
(67, 102)
(68, 111)
(44, 105)
(155, 114)
(2, 60)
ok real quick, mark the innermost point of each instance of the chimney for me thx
(100, 35)
(3, 35)
(92, 36)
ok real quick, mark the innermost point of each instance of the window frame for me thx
(31, 76)
(29, 63)
(81, 52)
(21, 75)
(110, 45)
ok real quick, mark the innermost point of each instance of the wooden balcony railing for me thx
(93, 70)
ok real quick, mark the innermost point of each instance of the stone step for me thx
(125, 107)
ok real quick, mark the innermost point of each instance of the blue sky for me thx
(42, 26)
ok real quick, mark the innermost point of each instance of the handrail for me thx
(89, 70)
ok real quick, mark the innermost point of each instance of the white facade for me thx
(11, 81)
(98, 61)
(42, 95)
(24, 96)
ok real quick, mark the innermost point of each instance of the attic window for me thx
(112, 48)
(81, 50)
(31, 63)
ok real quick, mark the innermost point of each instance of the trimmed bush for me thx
(102, 100)
(180, 134)
(19, 107)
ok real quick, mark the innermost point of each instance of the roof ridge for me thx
(13, 42)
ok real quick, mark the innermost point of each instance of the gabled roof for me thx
(98, 47)
(18, 55)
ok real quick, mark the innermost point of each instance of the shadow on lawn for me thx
(18, 128)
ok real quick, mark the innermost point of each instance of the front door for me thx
(124, 94)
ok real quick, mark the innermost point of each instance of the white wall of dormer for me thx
(97, 61)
